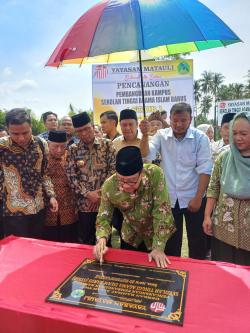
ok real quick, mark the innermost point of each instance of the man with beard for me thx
(187, 165)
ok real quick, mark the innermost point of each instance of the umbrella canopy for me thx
(114, 31)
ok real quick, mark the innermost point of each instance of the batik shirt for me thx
(147, 212)
(231, 216)
(88, 169)
(66, 202)
(23, 177)
(120, 143)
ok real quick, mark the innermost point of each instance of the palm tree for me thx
(247, 87)
(197, 96)
(217, 81)
(224, 93)
(231, 91)
(238, 90)
(206, 104)
(197, 91)
(206, 81)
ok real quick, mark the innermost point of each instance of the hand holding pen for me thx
(100, 249)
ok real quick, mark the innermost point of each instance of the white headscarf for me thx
(204, 127)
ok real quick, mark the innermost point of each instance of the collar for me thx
(14, 144)
(115, 137)
(138, 138)
(189, 134)
(97, 142)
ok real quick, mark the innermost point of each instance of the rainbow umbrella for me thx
(134, 30)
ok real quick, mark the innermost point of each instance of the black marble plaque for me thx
(131, 290)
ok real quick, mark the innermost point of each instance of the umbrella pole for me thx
(142, 86)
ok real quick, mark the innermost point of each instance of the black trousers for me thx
(24, 226)
(86, 228)
(225, 252)
(140, 248)
(195, 234)
(117, 220)
(61, 233)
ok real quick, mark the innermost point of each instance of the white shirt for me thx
(182, 161)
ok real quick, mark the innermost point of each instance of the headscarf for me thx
(204, 127)
(235, 178)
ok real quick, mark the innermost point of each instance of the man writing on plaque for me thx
(140, 193)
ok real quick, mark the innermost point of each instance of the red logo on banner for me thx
(157, 307)
(222, 105)
(101, 72)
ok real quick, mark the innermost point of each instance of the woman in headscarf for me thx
(228, 197)
(208, 130)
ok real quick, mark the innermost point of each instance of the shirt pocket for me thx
(189, 158)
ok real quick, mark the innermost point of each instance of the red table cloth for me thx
(218, 295)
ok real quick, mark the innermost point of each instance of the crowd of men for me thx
(75, 182)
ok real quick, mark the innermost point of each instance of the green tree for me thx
(231, 91)
(206, 82)
(2, 117)
(224, 92)
(36, 124)
(197, 97)
(202, 119)
(206, 104)
(217, 80)
(197, 91)
(247, 86)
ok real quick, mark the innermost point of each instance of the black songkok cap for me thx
(80, 119)
(57, 136)
(129, 161)
(227, 117)
(128, 114)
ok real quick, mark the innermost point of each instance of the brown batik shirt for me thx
(88, 169)
(66, 202)
(23, 177)
(120, 143)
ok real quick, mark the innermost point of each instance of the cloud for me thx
(7, 88)
(25, 84)
(7, 71)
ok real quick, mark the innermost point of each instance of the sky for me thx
(31, 29)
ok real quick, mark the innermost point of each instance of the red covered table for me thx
(218, 297)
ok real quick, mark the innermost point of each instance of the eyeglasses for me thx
(129, 182)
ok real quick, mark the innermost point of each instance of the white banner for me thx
(237, 105)
(118, 86)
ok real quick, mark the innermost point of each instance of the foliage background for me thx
(208, 90)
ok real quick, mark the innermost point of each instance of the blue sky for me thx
(31, 29)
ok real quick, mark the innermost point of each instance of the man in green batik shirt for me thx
(140, 193)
